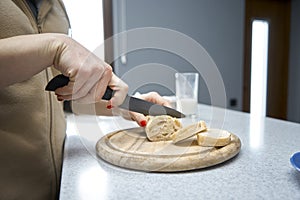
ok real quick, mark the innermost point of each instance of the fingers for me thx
(88, 86)
(102, 84)
(120, 89)
(154, 97)
(90, 91)
(95, 94)
(89, 76)
(139, 118)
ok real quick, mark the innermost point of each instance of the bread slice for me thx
(162, 127)
(214, 138)
(189, 131)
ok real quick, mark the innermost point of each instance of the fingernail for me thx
(109, 106)
(143, 123)
(60, 99)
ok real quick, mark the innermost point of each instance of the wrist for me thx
(57, 43)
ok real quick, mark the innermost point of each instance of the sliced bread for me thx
(214, 138)
(189, 131)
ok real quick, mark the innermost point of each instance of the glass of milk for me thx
(187, 93)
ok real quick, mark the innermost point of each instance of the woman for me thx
(34, 48)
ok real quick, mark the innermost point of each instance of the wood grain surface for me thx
(131, 149)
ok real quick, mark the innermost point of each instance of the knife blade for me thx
(130, 103)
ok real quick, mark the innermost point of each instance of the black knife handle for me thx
(62, 80)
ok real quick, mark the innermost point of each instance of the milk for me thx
(187, 106)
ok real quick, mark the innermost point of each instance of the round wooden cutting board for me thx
(131, 149)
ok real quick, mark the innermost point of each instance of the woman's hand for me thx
(89, 75)
(153, 97)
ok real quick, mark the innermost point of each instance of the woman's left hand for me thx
(153, 97)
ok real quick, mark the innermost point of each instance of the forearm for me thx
(21, 57)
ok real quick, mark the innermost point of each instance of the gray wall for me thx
(217, 25)
(294, 67)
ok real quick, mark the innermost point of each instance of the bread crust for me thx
(189, 131)
(162, 128)
(214, 138)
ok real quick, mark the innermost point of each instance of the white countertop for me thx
(260, 171)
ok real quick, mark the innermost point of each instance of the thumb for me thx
(120, 89)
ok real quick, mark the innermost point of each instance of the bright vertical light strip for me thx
(259, 63)
(86, 19)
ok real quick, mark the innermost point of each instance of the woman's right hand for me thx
(89, 75)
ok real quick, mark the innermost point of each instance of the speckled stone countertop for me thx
(261, 170)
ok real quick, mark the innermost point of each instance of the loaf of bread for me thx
(162, 127)
(214, 138)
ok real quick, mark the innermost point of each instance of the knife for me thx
(130, 103)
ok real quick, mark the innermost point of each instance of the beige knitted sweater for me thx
(32, 124)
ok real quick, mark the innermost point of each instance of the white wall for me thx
(86, 18)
